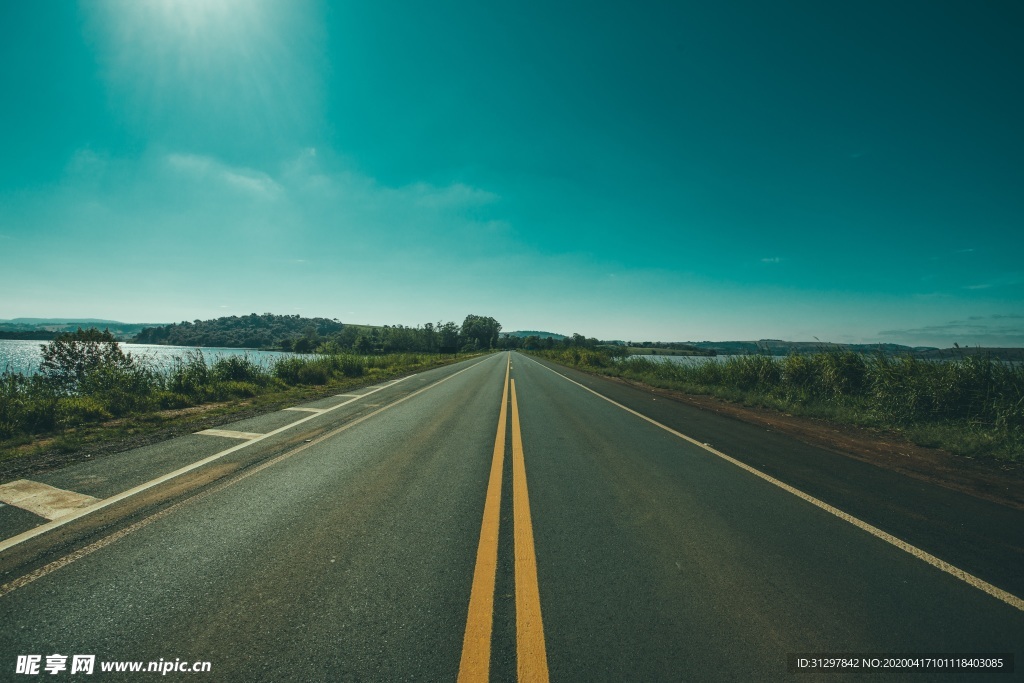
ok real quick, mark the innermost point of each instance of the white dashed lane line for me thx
(42, 499)
(231, 434)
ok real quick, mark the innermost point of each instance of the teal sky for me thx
(675, 171)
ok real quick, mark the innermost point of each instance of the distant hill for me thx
(779, 347)
(47, 328)
(533, 333)
(38, 322)
(994, 352)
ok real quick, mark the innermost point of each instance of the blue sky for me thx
(675, 171)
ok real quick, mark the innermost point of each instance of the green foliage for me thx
(28, 405)
(247, 331)
(238, 369)
(479, 332)
(235, 389)
(189, 375)
(71, 358)
(90, 363)
(75, 410)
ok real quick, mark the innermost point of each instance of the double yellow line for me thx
(531, 656)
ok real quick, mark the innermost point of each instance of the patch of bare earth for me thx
(1000, 482)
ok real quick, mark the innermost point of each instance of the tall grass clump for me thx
(27, 405)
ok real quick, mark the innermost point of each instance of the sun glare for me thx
(188, 29)
(232, 63)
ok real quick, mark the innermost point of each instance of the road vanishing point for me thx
(503, 518)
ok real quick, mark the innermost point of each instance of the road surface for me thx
(502, 518)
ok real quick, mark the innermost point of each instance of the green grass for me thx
(971, 406)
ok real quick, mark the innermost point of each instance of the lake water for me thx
(24, 356)
(684, 360)
(700, 360)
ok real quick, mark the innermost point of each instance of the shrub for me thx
(75, 410)
(71, 358)
(287, 369)
(237, 369)
(313, 373)
(189, 375)
(237, 390)
(28, 405)
(352, 366)
(751, 372)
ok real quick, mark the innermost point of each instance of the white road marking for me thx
(106, 502)
(956, 572)
(306, 410)
(231, 434)
(348, 395)
(42, 499)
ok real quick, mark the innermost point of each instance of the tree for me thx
(480, 332)
(362, 345)
(89, 363)
(74, 356)
(448, 337)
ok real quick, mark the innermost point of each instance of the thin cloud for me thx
(456, 195)
(206, 168)
(1004, 280)
(996, 329)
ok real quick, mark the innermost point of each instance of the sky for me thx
(848, 172)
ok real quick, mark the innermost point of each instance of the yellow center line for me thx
(476, 644)
(530, 652)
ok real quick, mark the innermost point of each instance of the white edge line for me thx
(106, 502)
(956, 572)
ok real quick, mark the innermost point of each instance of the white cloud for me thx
(1000, 280)
(455, 195)
(209, 169)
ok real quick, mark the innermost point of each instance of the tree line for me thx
(324, 335)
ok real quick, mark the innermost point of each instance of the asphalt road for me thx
(497, 517)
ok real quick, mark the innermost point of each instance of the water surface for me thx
(25, 355)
